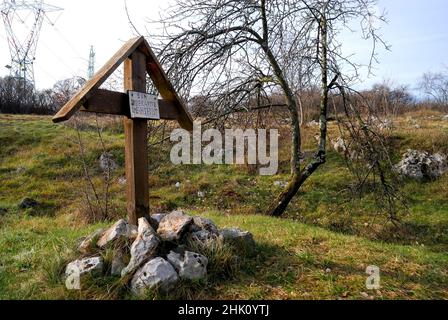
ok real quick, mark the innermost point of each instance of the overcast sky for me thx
(417, 32)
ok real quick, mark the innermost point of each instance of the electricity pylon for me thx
(23, 22)
(91, 69)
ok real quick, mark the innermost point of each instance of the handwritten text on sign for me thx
(144, 106)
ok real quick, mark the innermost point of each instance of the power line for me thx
(58, 57)
(73, 48)
(23, 49)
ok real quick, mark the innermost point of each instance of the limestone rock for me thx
(119, 230)
(204, 236)
(107, 162)
(144, 247)
(200, 223)
(173, 226)
(157, 273)
(87, 244)
(313, 123)
(421, 165)
(190, 265)
(340, 145)
(235, 235)
(445, 118)
(91, 266)
(381, 124)
(155, 219)
(386, 124)
(145, 264)
(132, 232)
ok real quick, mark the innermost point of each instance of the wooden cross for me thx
(138, 59)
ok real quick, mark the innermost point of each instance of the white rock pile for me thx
(155, 254)
(421, 165)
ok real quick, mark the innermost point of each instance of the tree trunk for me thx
(302, 118)
(298, 177)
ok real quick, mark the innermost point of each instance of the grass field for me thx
(320, 251)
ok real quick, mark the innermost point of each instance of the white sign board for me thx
(144, 106)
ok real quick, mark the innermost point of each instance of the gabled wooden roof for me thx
(154, 70)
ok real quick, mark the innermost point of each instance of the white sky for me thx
(418, 33)
(63, 50)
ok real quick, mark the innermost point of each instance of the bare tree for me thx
(240, 53)
(18, 97)
(435, 85)
(388, 99)
(67, 88)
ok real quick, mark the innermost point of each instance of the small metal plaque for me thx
(144, 106)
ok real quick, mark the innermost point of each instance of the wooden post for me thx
(136, 145)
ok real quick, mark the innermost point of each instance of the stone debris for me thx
(235, 235)
(150, 259)
(90, 266)
(200, 224)
(340, 145)
(87, 244)
(157, 273)
(201, 194)
(155, 219)
(204, 236)
(119, 230)
(386, 124)
(107, 162)
(174, 225)
(132, 232)
(421, 165)
(382, 124)
(313, 123)
(144, 247)
(190, 265)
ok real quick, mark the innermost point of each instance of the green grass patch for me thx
(326, 228)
